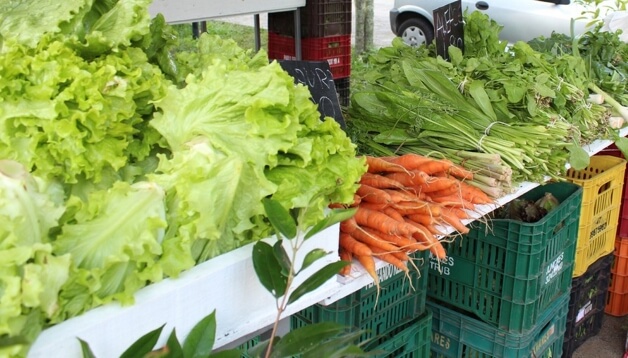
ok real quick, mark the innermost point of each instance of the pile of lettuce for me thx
(124, 161)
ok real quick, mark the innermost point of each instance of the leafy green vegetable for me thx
(30, 275)
(72, 119)
(114, 241)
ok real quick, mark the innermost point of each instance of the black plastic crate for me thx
(343, 89)
(586, 304)
(319, 18)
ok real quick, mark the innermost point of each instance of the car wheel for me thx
(416, 32)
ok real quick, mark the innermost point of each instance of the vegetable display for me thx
(138, 159)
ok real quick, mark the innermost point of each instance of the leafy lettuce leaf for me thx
(70, 119)
(241, 131)
(114, 240)
(92, 27)
(30, 276)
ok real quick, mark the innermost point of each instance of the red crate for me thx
(319, 18)
(336, 50)
(616, 304)
(620, 266)
(622, 226)
(617, 299)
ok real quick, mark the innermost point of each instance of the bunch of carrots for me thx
(403, 203)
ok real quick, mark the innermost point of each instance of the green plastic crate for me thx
(411, 340)
(456, 335)
(398, 303)
(507, 272)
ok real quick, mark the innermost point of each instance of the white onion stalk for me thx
(619, 109)
(595, 98)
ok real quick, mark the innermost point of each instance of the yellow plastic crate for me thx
(602, 186)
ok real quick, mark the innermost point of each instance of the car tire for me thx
(416, 32)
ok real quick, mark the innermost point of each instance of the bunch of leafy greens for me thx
(159, 158)
(515, 103)
(30, 275)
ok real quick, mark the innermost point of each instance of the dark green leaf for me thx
(144, 345)
(232, 353)
(336, 216)
(312, 338)
(174, 346)
(200, 340)
(282, 258)
(317, 279)
(259, 350)
(311, 257)
(280, 218)
(268, 269)
(86, 350)
(477, 91)
(342, 347)
(578, 158)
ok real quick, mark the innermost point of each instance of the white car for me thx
(413, 20)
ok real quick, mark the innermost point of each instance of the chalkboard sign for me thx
(448, 28)
(317, 76)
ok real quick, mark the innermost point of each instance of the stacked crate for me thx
(395, 321)
(617, 298)
(504, 288)
(325, 36)
(586, 305)
(602, 183)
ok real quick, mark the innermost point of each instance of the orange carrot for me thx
(380, 181)
(434, 245)
(345, 256)
(348, 226)
(355, 247)
(453, 189)
(391, 259)
(474, 194)
(460, 172)
(454, 201)
(373, 195)
(435, 184)
(417, 207)
(422, 219)
(435, 166)
(369, 265)
(373, 241)
(409, 161)
(372, 206)
(401, 195)
(455, 222)
(412, 178)
(382, 222)
(378, 165)
(459, 212)
(406, 243)
(393, 213)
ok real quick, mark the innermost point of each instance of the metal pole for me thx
(297, 33)
(257, 31)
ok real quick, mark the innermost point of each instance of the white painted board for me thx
(185, 11)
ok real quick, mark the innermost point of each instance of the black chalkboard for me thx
(317, 76)
(448, 28)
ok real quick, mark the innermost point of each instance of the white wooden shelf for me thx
(186, 11)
